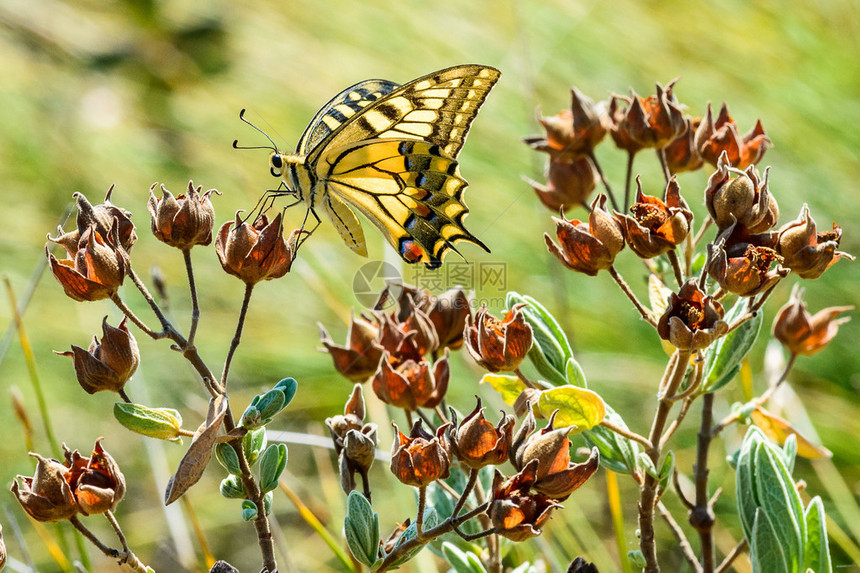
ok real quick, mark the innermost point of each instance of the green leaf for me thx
(666, 470)
(509, 387)
(431, 520)
(647, 465)
(272, 464)
(817, 553)
(722, 359)
(361, 527)
(253, 443)
(574, 374)
(551, 349)
(778, 498)
(744, 482)
(228, 458)
(160, 423)
(766, 551)
(617, 453)
(232, 488)
(271, 403)
(576, 406)
(249, 510)
(637, 559)
(268, 499)
(288, 386)
(462, 561)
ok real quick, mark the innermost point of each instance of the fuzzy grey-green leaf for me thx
(272, 464)
(817, 553)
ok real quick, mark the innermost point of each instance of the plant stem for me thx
(165, 324)
(661, 155)
(237, 337)
(524, 378)
(419, 518)
(603, 179)
(109, 551)
(686, 548)
(626, 289)
(261, 522)
(124, 396)
(628, 179)
(727, 562)
(702, 514)
(672, 378)
(626, 433)
(473, 478)
(676, 266)
(195, 305)
(134, 319)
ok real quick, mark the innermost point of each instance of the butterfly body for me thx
(390, 153)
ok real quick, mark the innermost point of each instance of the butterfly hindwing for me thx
(410, 190)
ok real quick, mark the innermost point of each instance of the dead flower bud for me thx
(569, 183)
(96, 266)
(255, 252)
(182, 221)
(46, 496)
(416, 324)
(580, 565)
(713, 138)
(805, 334)
(354, 441)
(449, 313)
(556, 476)
(743, 268)
(109, 363)
(420, 458)
(806, 252)
(655, 226)
(651, 122)
(499, 345)
(515, 512)
(576, 131)
(103, 216)
(744, 198)
(682, 154)
(411, 384)
(360, 359)
(97, 482)
(476, 442)
(588, 247)
(692, 321)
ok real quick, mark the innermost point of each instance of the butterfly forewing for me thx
(340, 109)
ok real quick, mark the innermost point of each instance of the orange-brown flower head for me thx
(354, 441)
(515, 512)
(588, 247)
(651, 122)
(692, 320)
(805, 334)
(182, 221)
(449, 313)
(713, 138)
(415, 324)
(744, 198)
(103, 216)
(655, 226)
(96, 267)
(682, 154)
(255, 252)
(109, 363)
(556, 476)
(411, 384)
(744, 268)
(499, 345)
(46, 496)
(476, 442)
(806, 252)
(420, 458)
(360, 359)
(572, 132)
(96, 481)
(570, 180)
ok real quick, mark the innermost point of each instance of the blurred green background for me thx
(134, 92)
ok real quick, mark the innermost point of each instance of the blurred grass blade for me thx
(198, 532)
(614, 495)
(316, 525)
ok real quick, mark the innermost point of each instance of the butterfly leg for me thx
(302, 230)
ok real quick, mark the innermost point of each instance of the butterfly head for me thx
(279, 162)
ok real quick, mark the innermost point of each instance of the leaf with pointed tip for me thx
(576, 406)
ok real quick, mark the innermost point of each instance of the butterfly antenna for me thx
(236, 145)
